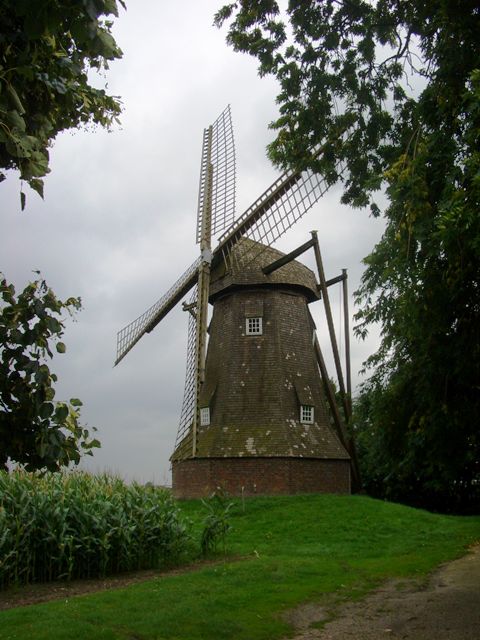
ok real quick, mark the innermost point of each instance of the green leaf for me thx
(61, 348)
(48, 53)
(46, 410)
(15, 99)
(50, 393)
(61, 412)
(15, 120)
(22, 200)
(37, 185)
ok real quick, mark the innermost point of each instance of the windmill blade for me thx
(183, 442)
(222, 167)
(204, 236)
(131, 334)
(274, 212)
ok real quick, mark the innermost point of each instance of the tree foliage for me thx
(422, 284)
(47, 49)
(390, 90)
(36, 430)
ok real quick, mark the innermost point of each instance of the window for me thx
(254, 326)
(306, 414)
(204, 416)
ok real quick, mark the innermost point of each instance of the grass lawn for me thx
(292, 549)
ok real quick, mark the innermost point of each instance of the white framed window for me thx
(204, 416)
(306, 414)
(254, 326)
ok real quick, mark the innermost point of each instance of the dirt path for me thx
(445, 607)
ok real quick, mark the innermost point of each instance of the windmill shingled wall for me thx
(255, 384)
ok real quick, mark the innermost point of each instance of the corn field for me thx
(64, 526)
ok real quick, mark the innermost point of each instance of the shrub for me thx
(216, 523)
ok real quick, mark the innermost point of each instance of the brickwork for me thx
(200, 477)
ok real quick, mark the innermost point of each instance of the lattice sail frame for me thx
(128, 337)
(286, 201)
(223, 189)
(184, 433)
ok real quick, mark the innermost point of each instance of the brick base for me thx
(200, 477)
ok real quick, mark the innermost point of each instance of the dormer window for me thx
(204, 416)
(254, 326)
(306, 414)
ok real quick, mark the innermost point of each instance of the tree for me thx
(390, 90)
(47, 49)
(35, 430)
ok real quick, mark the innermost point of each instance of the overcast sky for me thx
(117, 226)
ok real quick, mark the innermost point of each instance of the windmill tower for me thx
(254, 417)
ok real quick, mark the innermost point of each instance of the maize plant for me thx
(74, 525)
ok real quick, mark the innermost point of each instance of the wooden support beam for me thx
(335, 280)
(346, 319)
(331, 327)
(340, 427)
(273, 266)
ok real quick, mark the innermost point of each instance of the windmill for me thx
(239, 427)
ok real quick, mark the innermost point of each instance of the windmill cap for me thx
(243, 267)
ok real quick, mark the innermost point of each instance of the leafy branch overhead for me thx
(351, 74)
(35, 429)
(47, 49)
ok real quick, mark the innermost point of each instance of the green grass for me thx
(291, 550)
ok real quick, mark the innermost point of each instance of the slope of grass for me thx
(292, 549)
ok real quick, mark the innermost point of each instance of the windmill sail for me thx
(222, 187)
(217, 196)
(184, 433)
(274, 212)
(131, 334)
